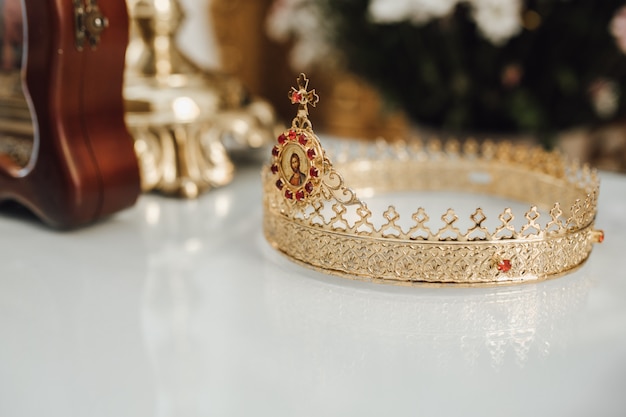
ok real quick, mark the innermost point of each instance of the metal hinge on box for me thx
(89, 23)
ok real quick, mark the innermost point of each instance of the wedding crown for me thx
(311, 216)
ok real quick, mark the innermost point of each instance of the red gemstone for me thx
(296, 97)
(275, 151)
(314, 172)
(292, 135)
(279, 184)
(300, 195)
(311, 153)
(308, 187)
(282, 138)
(504, 265)
(600, 236)
(302, 139)
(288, 194)
(274, 169)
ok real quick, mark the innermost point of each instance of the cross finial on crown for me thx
(302, 96)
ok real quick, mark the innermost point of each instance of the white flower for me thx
(497, 20)
(302, 21)
(309, 52)
(416, 11)
(604, 97)
(618, 28)
(280, 19)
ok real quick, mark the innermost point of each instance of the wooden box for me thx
(65, 152)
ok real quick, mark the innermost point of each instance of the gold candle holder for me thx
(184, 119)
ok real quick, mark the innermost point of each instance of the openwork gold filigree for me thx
(311, 215)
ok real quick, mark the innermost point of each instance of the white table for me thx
(180, 308)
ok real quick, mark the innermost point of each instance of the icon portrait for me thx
(294, 165)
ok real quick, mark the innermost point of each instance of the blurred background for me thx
(551, 71)
(206, 81)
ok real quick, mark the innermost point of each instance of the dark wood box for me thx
(65, 152)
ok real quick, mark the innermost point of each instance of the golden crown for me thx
(314, 218)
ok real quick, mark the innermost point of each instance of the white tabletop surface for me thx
(180, 308)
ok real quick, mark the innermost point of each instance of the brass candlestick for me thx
(181, 116)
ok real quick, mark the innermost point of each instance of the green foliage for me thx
(444, 74)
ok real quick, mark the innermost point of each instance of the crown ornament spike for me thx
(312, 216)
(303, 97)
(299, 161)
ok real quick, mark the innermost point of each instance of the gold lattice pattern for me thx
(313, 217)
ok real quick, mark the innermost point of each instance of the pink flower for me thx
(618, 28)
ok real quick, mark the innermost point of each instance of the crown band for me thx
(314, 218)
